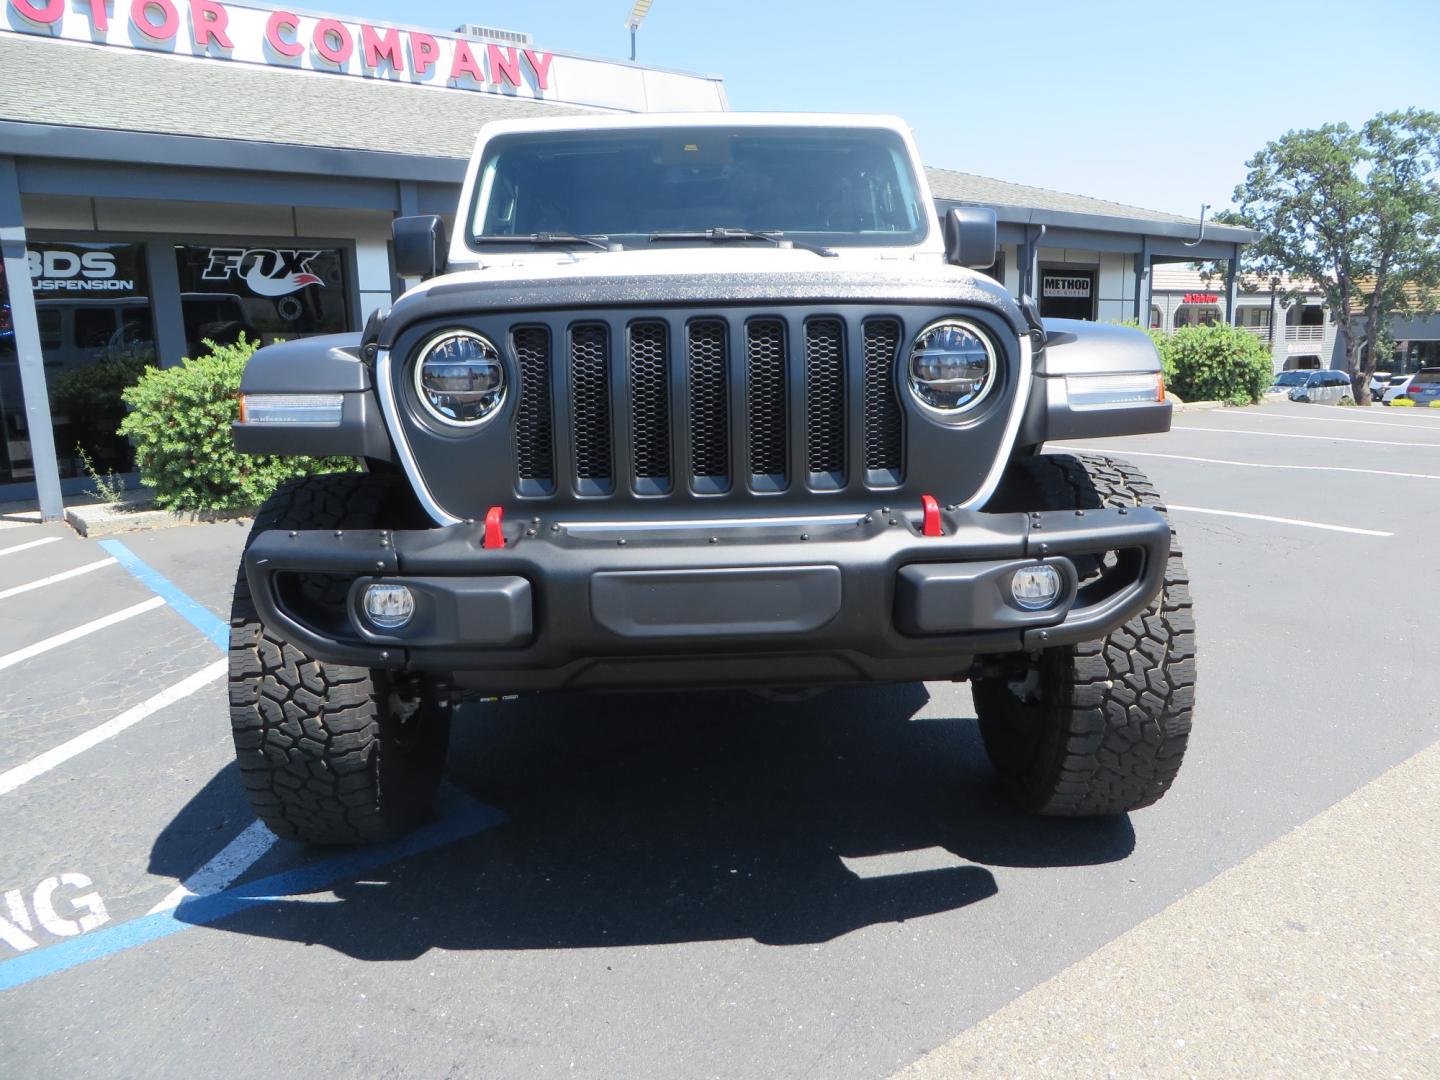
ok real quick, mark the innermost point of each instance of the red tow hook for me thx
(932, 516)
(494, 538)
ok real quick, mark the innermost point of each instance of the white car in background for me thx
(1398, 385)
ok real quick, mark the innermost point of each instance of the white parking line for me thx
(30, 544)
(1251, 414)
(62, 576)
(216, 875)
(1125, 452)
(10, 659)
(1292, 435)
(23, 774)
(1279, 520)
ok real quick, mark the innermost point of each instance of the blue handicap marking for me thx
(461, 816)
(194, 612)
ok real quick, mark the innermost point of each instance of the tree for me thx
(1358, 213)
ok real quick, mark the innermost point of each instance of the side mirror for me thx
(970, 237)
(419, 246)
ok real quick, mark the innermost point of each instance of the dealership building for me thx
(175, 171)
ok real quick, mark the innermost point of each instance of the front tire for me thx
(329, 753)
(1100, 727)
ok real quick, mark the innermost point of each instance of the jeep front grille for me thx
(642, 400)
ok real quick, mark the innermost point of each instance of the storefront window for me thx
(1157, 320)
(267, 293)
(1197, 315)
(96, 335)
(1252, 316)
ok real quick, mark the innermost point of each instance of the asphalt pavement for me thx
(696, 884)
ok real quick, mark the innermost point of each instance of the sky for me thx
(1154, 105)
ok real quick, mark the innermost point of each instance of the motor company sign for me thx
(281, 38)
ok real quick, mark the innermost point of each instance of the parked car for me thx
(1424, 388)
(1323, 387)
(1379, 383)
(1398, 385)
(1285, 381)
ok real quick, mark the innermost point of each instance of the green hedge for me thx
(1216, 363)
(180, 425)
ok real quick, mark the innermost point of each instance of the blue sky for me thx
(1156, 105)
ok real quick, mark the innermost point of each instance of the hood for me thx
(706, 275)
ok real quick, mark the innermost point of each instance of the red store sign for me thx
(1200, 298)
(283, 38)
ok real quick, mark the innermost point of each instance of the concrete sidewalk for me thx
(1318, 956)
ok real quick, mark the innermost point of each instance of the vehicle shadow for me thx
(662, 818)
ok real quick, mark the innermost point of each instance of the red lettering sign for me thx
(286, 20)
(1200, 298)
(99, 16)
(45, 13)
(165, 29)
(540, 63)
(465, 63)
(506, 62)
(424, 51)
(208, 21)
(332, 41)
(378, 46)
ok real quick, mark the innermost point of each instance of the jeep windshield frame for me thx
(833, 187)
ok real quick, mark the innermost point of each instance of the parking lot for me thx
(682, 885)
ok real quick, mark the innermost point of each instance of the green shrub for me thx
(180, 424)
(1216, 363)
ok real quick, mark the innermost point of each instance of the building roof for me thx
(96, 86)
(969, 188)
(1179, 277)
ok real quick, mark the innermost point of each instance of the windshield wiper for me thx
(721, 236)
(604, 243)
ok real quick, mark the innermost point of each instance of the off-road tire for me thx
(1100, 727)
(329, 753)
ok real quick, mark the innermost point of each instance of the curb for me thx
(105, 520)
(1198, 406)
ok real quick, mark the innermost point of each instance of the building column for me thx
(27, 345)
(1232, 284)
(1142, 283)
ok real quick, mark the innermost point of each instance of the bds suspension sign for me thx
(280, 38)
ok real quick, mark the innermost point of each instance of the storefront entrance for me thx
(1067, 294)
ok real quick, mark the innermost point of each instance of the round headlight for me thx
(459, 378)
(952, 367)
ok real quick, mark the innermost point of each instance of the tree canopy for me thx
(1357, 211)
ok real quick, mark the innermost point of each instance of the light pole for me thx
(634, 19)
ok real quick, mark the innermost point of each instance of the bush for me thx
(180, 425)
(1216, 363)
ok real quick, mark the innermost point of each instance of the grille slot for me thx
(883, 432)
(708, 384)
(650, 407)
(534, 443)
(825, 402)
(590, 408)
(765, 402)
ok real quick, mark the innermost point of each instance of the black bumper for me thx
(793, 602)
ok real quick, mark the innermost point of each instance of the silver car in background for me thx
(1327, 386)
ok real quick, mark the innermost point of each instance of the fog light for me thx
(389, 606)
(1035, 587)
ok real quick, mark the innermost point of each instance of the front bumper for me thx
(781, 602)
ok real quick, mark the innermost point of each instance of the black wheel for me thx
(1100, 727)
(329, 753)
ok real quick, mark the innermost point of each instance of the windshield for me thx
(1291, 378)
(835, 186)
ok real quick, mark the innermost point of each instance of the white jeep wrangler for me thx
(702, 401)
